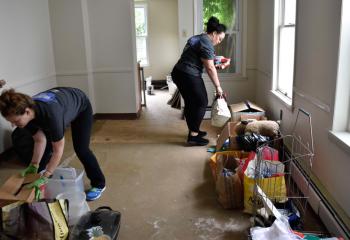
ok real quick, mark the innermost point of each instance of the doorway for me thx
(157, 44)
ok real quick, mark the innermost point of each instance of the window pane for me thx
(227, 48)
(289, 12)
(226, 12)
(140, 21)
(141, 48)
(286, 61)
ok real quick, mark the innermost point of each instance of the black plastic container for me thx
(103, 223)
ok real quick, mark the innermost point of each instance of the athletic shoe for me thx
(197, 141)
(94, 193)
(202, 133)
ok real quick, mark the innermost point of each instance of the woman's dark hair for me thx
(14, 103)
(213, 25)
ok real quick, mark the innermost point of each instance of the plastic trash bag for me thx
(280, 230)
(251, 142)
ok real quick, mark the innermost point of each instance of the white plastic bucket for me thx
(77, 205)
(148, 81)
(64, 180)
(171, 85)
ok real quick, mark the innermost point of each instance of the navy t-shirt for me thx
(55, 109)
(197, 47)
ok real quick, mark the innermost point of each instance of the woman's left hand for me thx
(224, 65)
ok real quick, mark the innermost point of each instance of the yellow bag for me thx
(45, 219)
(273, 187)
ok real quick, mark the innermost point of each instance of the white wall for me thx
(95, 51)
(317, 46)
(26, 59)
(113, 57)
(68, 42)
(163, 38)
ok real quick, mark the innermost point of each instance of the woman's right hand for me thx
(31, 169)
(2, 83)
(219, 91)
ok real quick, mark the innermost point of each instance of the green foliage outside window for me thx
(140, 21)
(224, 10)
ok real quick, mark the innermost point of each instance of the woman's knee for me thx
(82, 153)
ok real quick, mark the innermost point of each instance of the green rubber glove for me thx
(30, 169)
(36, 185)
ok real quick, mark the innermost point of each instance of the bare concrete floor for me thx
(163, 189)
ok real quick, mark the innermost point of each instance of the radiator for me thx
(319, 204)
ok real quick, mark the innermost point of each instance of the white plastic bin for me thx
(148, 81)
(64, 180)
(77, 205)
(171, 85)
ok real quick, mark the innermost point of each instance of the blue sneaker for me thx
(94, 193)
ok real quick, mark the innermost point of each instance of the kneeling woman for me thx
(51, 112)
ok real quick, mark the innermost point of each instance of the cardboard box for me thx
(228, 132)
(14, 188)
(246, 110)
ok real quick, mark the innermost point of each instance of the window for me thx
(341, 118)
(141, 33)
(227, 11)
(285, 15)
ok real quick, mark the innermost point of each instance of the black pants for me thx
(193, 91)
(81, 132)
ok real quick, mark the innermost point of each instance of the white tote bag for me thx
(220, 113)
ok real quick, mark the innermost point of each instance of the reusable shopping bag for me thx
(274, 186)
(220, 113)
(238, 155)
(45, 219)
(229, 186)
(12, 219)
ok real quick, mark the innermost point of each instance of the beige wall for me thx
(317, 43)
(163, 37)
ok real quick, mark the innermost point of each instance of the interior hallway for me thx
(163, 189)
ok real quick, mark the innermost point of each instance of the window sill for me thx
(224, 77)
(282, 98)
(341, 139)
(144, 65)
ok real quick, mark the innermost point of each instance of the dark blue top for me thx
(55, 109)
(197, 47)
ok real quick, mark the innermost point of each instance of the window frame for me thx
(143, 5)
(341, 111)
(241, 36)
(279, 25)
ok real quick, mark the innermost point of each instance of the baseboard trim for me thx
(158, 84)
(117, 116)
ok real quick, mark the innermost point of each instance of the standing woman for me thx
(51, 112)
(187, 75)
